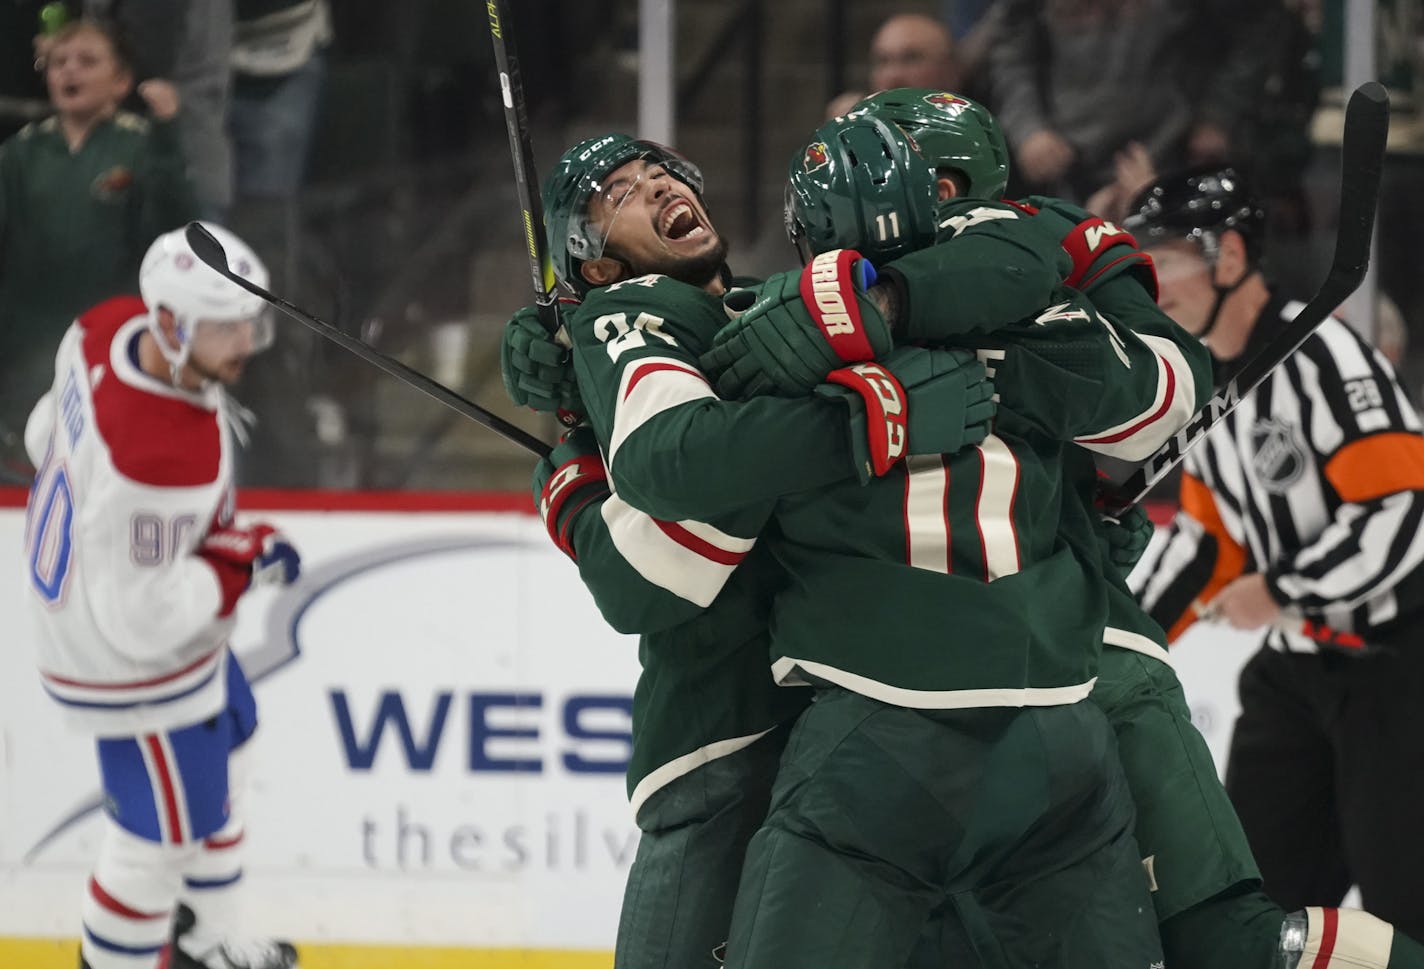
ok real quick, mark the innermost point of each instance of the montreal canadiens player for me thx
(134, 567)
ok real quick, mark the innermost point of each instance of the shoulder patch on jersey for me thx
(153, 439)
(128, 121)
(101, 322)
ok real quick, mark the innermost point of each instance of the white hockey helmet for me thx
(172, 277)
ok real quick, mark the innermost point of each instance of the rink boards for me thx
(439, 769)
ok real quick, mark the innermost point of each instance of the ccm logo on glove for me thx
(885, 410)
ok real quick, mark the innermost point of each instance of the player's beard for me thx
(226, 372)
(701, 270)
(694, 270)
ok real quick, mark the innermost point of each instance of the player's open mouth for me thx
(679, 223)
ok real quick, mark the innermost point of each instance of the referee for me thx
(1305, 503)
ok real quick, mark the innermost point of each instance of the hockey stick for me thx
(210, 251)
(1362, 157)
(1299, 625)
(521, 151)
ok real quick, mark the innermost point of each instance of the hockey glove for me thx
(805, 325)
(1100, 250)
(538, 371)
(1124, 537)
(916, 401)
(566, 482)
(248, 557)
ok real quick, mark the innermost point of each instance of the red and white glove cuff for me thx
(566, 483)
(233, 580)
(1088, 244)
(886, 411)
(231, 552)
(828, 288)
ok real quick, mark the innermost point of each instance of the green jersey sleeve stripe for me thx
(689, 559)
(1175, 403)
(648, 387)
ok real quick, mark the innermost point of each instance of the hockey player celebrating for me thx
(1304, 502)
(1205, 886)
(709, 723)
(567, 527)
(134, 568)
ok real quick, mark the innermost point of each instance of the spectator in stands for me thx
(909, 50)
(279, 65)
(279, 69)
(82, 194)
(190, 43)
(1076, 82)
(203, 73)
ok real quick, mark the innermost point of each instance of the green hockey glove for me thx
(566, 482)
(1124, 538)
(538, 371)
(804, 325)
(916, 401)
(1100, 250)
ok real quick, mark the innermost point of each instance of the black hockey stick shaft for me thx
(1319, 632)
(211, 252)
(1362, 159)
(521, 150)
(526, 176)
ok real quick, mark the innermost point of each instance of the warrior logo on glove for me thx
(825, 286)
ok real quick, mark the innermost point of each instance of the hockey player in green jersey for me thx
(708, 721)
(653, 403)
(1206, 889)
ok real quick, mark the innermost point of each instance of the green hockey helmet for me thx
(580, 175)
(859, 184)
(951, 132)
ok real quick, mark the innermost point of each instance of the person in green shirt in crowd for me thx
(82, 195)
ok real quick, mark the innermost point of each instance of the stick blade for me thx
(1361, 164)
(207, 248)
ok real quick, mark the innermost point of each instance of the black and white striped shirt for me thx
(1317, 480)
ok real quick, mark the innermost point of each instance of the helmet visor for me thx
(223, 339)
(608, 193)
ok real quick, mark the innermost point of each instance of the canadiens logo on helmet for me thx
(952, 103)
(817, 156)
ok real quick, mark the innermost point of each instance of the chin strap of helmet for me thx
(177, 357)
(1222, 291)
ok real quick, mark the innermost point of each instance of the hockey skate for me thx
(229, 954)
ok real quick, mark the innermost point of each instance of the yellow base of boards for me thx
(64, 954)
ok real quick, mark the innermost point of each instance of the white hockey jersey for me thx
(132, 474)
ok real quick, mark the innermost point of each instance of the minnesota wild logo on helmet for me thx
(579, 175)
(817, 156)
(952, 103)
(860, 184)
(952, 133)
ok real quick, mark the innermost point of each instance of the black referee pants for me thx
(1326, 771)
